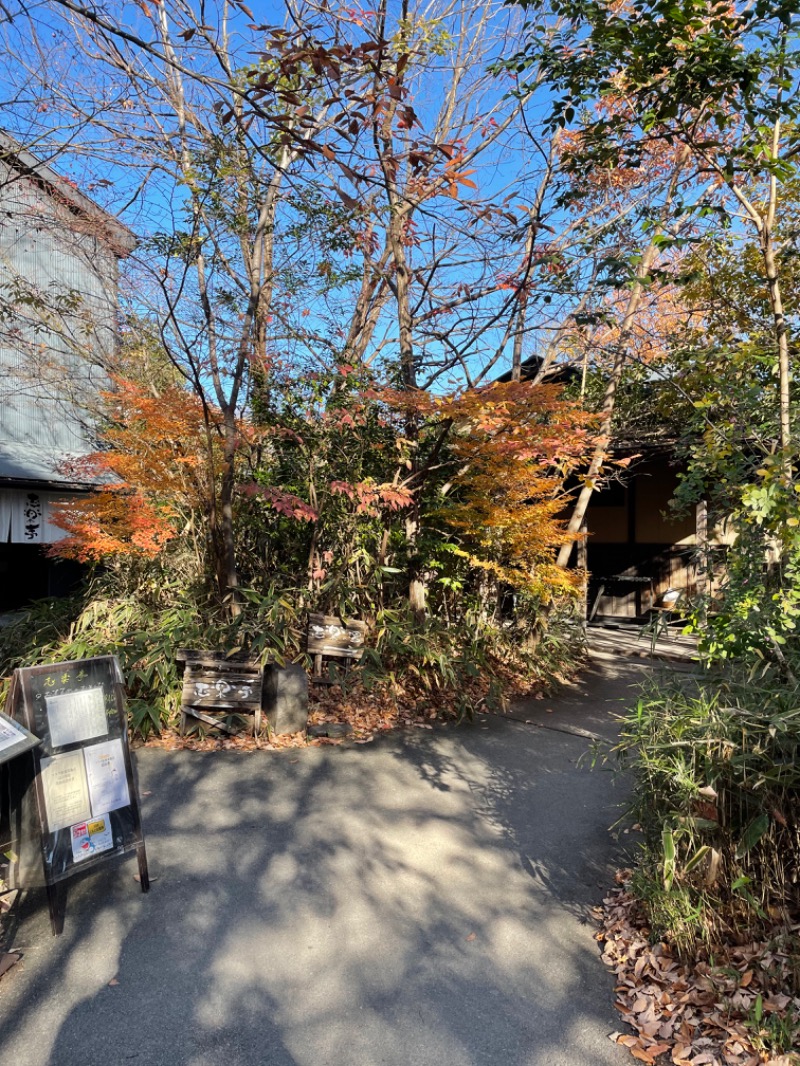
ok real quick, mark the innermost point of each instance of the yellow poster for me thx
(90, 838)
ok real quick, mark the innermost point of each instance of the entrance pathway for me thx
(418, 901)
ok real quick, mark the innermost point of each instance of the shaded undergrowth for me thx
(452, 667)
(717, 797)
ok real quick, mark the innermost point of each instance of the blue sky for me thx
(61, 98)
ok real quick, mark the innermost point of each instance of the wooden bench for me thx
(216, 685)
(328, 637)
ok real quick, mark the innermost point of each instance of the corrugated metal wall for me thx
(57, 326)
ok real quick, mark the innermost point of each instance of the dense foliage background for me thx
(352, 222)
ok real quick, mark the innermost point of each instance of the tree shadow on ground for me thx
(414, 901)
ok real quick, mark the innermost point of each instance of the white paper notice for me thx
(76, 716)
(89, 838)
(105, 770)
(66, 795)
(9, 735)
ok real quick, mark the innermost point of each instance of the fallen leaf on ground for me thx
(7, 960)
(694, 1011)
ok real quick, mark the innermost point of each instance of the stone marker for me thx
(286, 698)
(330, 729)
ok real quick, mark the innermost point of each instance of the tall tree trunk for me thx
(776, 301)
(782, 341)
(226, 569)
(609, 403)
(417, 593)
(765, 232)
(620, 353)
(399, 212)
(764, 223)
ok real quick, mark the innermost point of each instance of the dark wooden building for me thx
(637, 550)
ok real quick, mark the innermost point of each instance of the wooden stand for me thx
(215, 687)
(328, 637)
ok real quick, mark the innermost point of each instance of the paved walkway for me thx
(417, 901)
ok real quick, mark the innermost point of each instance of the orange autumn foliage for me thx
(662, 316)
(617, 181)
(515, 444)
(112, 522)
(511, 446)
(152, 471)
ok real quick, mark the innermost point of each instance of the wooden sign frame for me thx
(79, 801)
(15, 739)
(329, 635)
(212, 683)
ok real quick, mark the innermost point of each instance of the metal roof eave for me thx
(46, 486)
(16, 155)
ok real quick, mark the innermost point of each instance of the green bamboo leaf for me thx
(668, 844)
(752, 834)
(697, 858)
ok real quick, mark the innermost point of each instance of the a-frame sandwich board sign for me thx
(74, 799)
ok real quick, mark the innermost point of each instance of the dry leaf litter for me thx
(368, 713)
(694, 1013)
